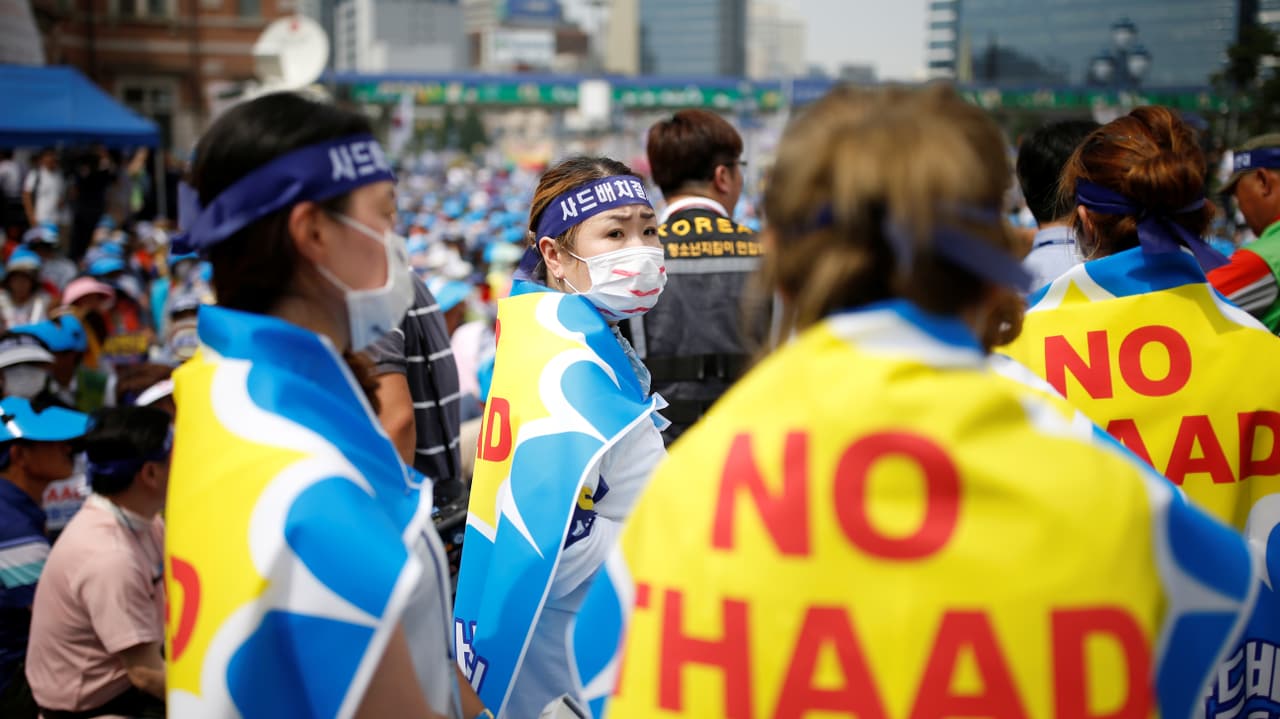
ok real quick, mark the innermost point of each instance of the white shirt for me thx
(10, 179)
(547, 671)
(1053, 252)
(685, 203)
(48, 193)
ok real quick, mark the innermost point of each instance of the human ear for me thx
(723, 179)
(305, 230)
(550, 252)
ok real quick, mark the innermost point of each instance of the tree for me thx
(1251, 86)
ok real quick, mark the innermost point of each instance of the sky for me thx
(888, 34)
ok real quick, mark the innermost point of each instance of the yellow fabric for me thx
(951, 591)
(1176, 379)
(202, 508)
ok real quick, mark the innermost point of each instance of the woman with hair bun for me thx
(571, 435)
(1139, 341)
(873, 522)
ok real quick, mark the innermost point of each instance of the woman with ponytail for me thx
(571, 435)
(304, 575)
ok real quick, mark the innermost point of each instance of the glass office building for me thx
(1156, 43)
(693, 37)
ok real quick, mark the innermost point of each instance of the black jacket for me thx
(693, 340)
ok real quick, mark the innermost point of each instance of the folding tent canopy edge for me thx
(57, 104)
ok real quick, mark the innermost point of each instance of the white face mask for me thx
(373, 313)
(624, 283)
(24, 380)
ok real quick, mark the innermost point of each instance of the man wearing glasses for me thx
(693, 341)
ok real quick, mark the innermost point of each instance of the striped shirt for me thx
(23, 551)
(419, 349)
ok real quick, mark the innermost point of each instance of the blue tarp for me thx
(51, 105)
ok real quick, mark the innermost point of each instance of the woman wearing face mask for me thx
(305, 576)
(570, 436)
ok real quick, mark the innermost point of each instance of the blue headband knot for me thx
(313, 173)
(972, 254)
(1158, 232)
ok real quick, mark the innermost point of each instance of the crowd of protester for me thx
(907, 256)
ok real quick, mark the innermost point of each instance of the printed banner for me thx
(290, 523)
(1151, 353)
(833, 540)
(563, 393)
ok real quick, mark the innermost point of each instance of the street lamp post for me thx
(1125, 63)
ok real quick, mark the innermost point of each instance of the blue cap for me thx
(61, 334)
(107, 222)
(53, 424)
(177, 257)
(448, 293)
(105, 266)
(23, 258)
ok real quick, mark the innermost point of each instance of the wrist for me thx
(484, 714)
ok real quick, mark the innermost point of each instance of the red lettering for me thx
(1126, 430)
(784, 515)
(1072, 628)
(942, 495)
(497, 422)
(936, 698)
(1250, 423)
(1094, 376)
(1197, 429)
(1179, 361)
(731, 654)
(829, 626)
(185, 576)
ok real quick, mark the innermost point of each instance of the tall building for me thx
(323, 12)
(399, 36)
(775, 42)
(169, 60)
(1158, 43)
(1269, 14)
(693, 37)
(622, 38)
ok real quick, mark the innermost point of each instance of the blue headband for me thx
(128, 467)
(314, 173)
(1157, 233)
(586, 201)
(1268, 157)
(976, 256)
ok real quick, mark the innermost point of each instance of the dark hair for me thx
(133, 380)
(125, 433)
(558, 180)
(252, 269)
(1041, 159)
(1151, 157)
(689, 147)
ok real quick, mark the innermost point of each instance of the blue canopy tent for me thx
(52, 105)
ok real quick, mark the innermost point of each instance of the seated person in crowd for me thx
(97, 625)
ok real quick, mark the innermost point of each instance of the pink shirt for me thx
(100, 593)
